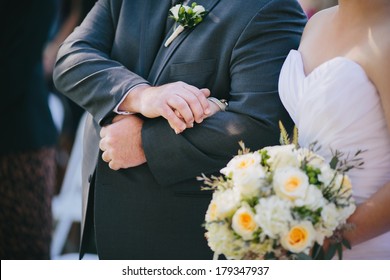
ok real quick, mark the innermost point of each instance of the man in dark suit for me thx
(145, 201)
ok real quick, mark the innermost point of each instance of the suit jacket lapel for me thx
(165, 53)
(151, 33)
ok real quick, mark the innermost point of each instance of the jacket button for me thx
(90, 178)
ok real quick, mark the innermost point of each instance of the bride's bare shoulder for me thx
(318, 20)
(378, 62)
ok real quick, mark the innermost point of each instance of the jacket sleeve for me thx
(84, 71)
(254, 105)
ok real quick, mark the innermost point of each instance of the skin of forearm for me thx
(371, 218)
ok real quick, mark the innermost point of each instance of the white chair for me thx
(66, 206)
(57, 111)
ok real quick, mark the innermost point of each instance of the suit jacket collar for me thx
(165, 53)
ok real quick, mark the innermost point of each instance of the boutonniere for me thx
(186, 17)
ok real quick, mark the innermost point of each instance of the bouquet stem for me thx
(175, 33)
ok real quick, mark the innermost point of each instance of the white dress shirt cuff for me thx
(116, 109)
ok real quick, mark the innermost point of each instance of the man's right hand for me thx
(180, 103)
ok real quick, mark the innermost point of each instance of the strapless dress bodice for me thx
(339, 107)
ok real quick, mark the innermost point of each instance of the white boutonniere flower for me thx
(186, 17)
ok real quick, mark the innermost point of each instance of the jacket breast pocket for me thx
(197, 73)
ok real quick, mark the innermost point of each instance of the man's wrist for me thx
(128, 104)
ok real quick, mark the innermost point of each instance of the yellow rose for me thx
(346, 187)
(343, 185)
(212, 214)
(243, 222)
(299, 238)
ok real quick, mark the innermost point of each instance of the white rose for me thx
(281, 156)
(222, 205)
(249, 181)
(246, 173)
(240, 163)
(313, 199)
(243, 222)
(273, 215)
(290, 183)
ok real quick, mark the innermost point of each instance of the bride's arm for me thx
(372, 218)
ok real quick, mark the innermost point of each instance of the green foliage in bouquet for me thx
(285, 138)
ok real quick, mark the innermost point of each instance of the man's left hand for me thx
(121, 142)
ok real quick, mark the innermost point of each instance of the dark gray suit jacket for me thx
(156, 210)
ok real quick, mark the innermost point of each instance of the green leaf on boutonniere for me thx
(186, 17)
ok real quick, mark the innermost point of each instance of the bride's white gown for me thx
(338, 106)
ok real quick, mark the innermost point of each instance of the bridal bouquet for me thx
(280, 202)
